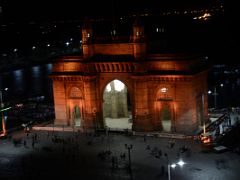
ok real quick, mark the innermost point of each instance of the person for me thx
(160, 153)
(172, 143)
(33, 143)
(48, 134)
(145, 137)
(25, 143)
(162, 170)
(113, 162)
(35, 136)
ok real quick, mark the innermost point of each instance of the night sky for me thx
(224, 31)
(47, 10)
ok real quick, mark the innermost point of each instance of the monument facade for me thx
(165, 92)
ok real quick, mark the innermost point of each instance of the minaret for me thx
(139, 45)
(138, 30)
(87, 39)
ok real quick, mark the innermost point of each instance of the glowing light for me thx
(164, 90)
(108, 88)
(119, 86)
(205, 16)
(181, 163)
(173, 165)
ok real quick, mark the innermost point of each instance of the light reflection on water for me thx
(27, 82)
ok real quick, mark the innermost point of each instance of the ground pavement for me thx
(75, 155)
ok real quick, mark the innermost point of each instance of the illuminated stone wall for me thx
(154, 82)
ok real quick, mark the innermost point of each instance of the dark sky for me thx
(72, 9)
(47, 10)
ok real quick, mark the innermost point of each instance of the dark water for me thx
(34, 81)
(27, 82)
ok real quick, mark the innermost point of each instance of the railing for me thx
(111, 39)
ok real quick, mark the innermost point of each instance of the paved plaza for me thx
(76, 155)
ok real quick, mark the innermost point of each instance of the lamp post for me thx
(129, 147)
(4, 131)
(173, 165)
(203, 114)
(215, 97)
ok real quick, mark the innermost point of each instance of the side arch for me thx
(75, 105)
(164, 107)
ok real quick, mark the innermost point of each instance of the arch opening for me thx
(166, 117)
(75, 105)
(76, 116)
(117, 109)
(165, 112)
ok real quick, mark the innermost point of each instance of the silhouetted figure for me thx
(145, 137)
(160, 153)
(33, 144)
(25, 143)
(162, 170)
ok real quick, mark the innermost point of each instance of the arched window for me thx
(165, 92)
(75, 92)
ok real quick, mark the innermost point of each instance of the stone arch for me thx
(123, 80)
(116, 103)
(164, 111)
(75, 106)
(74, 92)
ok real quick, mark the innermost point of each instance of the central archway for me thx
(117, 111)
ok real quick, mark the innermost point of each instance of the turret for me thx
(138, 31)
(87, 34)
(139, 45)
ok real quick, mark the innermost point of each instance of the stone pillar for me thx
(139, 46)
(90, 103)
(124, 102)
(60, 103)
(186, 119)
(139, 50)
(87, 39)
(141, 115)
(114, 110)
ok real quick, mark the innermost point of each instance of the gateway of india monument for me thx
(122, 83)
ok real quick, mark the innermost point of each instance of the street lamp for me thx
(173, 165)
(3, 120)
(215, 97)
(129, 147)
